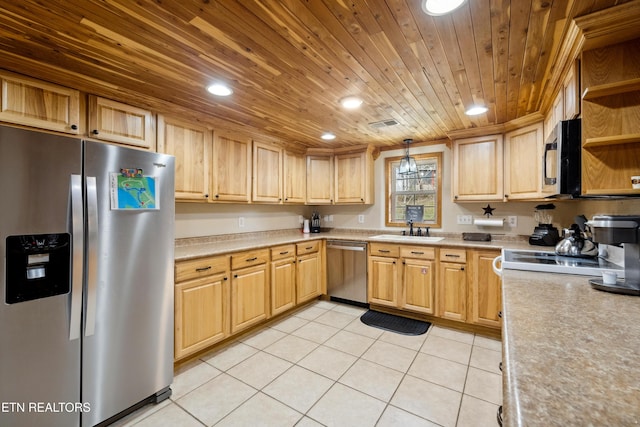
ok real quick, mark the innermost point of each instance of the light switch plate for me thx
(240, 221)
(465, 219)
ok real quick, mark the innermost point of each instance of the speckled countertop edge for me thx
(189, 248)
(571, 353)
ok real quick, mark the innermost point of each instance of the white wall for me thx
(195, 219)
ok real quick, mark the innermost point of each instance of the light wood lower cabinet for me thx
(485, 289)
(308, 271)
(249, 289)
(418, 279)
(283, 278)
(452, 285)
(383, 274)
(201, 304)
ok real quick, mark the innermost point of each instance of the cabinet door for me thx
(295, 178)
(230, 169)
(418, 286)
(283, 285)
(571, 92)
(452, 290)
(249, 297)
(523, 150)
(308, 278)
(267, 173)
(478, 168)
(121, 123)
(38, 104)
(351, 178)
(201, 313)
(319, 182)
(382, 281)
(486, 293)
(191, 146)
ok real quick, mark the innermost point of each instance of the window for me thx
(419, 193)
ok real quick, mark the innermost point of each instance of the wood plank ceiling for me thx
(290, 61)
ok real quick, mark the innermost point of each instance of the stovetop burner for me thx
(552, 263)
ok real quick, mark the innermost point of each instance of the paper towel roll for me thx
(485, 222)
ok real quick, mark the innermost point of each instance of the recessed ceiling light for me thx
(351, 102)
(475, 110)
(219, 89)
(440, 7)
(328, 136)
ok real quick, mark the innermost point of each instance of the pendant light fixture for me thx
(408, 164)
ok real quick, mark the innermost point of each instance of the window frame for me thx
(389, 161)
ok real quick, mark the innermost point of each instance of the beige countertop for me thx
(217, 245)
(571, 353)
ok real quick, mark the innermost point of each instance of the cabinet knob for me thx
(206, 196)
(74, 127)
(217, 195)
(235, 276)
(226, 278)
(500, 314)
(455, 197)
(95, 132)
(394, 262)
(286, 199)
(461, 268)
(361, 199)
(506, 196)
(279, 200)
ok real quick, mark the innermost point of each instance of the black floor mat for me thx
(392, 323)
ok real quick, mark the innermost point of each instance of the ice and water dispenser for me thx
(37, 266)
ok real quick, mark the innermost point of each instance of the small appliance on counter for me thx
(315, 222)
(544, 234)
(576, 243)
(614, 230)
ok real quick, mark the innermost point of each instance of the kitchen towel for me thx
(485, 222)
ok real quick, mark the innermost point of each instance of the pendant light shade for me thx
(408, 164)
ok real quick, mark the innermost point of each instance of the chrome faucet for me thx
(410, 223)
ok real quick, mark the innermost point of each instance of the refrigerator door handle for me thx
(77, 224)
(92, 256)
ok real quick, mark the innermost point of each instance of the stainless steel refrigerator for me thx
(86, 281)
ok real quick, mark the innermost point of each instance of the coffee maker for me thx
(544, 234)
(614, 230)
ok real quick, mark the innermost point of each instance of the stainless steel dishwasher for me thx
(347, 271)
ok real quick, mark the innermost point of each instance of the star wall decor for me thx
(488, 211)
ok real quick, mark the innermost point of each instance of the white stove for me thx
(537, 260)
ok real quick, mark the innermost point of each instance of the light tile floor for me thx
(323, 366)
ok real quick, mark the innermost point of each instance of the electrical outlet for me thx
(512, 221)
(240, 221)
(326, 218)
(465, 219)
(300, 219)
(330, 218)
(361, 219)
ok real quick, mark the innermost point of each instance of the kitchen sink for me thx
(422, 239)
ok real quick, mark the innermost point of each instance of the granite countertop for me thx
(216, 245)
(571, 353)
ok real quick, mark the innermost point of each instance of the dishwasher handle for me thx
(347, 246)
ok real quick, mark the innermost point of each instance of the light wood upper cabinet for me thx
(230, 169)
(523, 149)
(571, 92)
(610, 117)
(354, 178)
(38, 104)
(485, 289)
(478, 168)
(121, 123)
(267, 173)
(295, 178)
(191, 145)
(201, 304)
(319, 182)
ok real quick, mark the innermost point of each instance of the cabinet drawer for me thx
(200, 267)
(417, 252)
(247, 259)
(280, 252)
(307, 247)
(384, 249)
(453, 255)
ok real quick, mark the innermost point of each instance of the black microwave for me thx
(561, 161)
